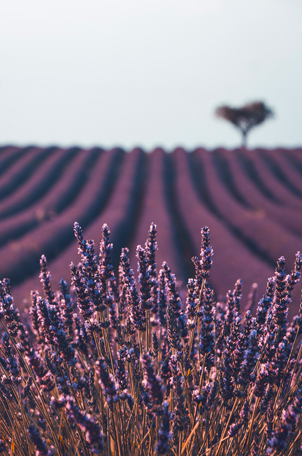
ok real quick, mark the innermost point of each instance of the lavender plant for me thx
(121, 367)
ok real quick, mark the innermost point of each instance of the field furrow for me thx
(22, 170)
(120, 214)
(154, 209)
(57, 199)
(286, 216)
(274, 185)
(294, 158)
(262, 235)
(225, 175)
(181, 234)
(20, 259)
(232, 260)
(40, 184)
(284, 170)
(8, 156)
(249, 170)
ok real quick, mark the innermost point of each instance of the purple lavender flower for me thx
(48, 318)
(164, 433)
(162, 299)
(278, 440)
(291, 415)
(237, 355)
(235, 428)
(191, 304)
(44, 376)
(180, 419)
(206, 339)
(249, 324)
(83, 299)
(269, 418)
(105, 267)
(251, 355)
(45, 323)
(279, 361)
(3, 446)
(123, 299)
(121, 373)
(106, 380)
(137, 314)
(11, 361)
(114, 321)
(144, 278)
(67, 308)
(173, 329)
(34, 314)
(230, 312)
(264, 305)
(152, 383)
(226, 380)
(281, 299)
(45, 279)
(40, 444)
(150, 249)
(93, 434)
(89, 269)
(154, 345)
(88, 257)
(81, 340)
(267, 398)
(237, 292)
(211, 394)
(261, 381)
(203, 266)
(8, 311)
(176, 319)
(295, 275)
(289, 420)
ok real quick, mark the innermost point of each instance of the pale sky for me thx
(148, 72)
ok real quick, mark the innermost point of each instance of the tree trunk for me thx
(244, 139)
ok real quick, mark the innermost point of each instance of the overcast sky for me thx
(148, 72)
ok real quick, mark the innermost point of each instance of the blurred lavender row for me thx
(251, 199)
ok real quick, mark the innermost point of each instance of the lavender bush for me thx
(124, 367)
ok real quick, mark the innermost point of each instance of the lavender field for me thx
(251, 200)
(133, 354)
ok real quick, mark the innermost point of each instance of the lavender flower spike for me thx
(41, 447)
(164, 433)
(106, 380)
(153, 383)
(88, 424)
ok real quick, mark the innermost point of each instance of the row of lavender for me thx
(251, 200)
(125, 367)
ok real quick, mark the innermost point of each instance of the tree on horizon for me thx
(245, 118)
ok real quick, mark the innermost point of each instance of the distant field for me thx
(251, 200)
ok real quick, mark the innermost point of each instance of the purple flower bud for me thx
(203, 266)
(144, 278)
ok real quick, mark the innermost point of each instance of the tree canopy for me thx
(246, 117)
